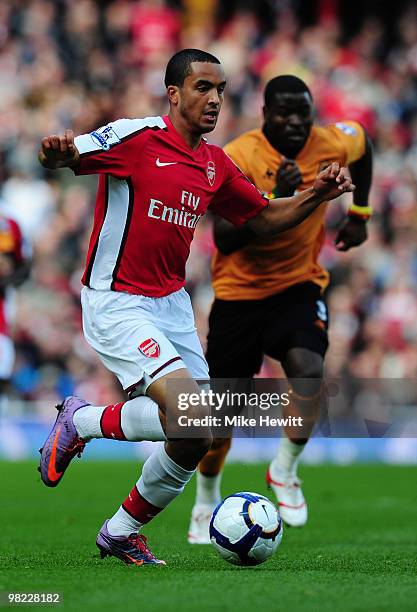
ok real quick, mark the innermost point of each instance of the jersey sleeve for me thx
(237, 199)
(351, 136)
(114, 148)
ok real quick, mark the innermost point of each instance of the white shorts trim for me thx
(141, 339)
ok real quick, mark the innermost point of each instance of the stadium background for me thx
(81, 63)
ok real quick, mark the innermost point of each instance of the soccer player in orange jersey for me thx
(269, 292)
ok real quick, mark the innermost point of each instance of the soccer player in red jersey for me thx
(14, 269)
(157, 177)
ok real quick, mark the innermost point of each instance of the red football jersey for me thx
(153, 190)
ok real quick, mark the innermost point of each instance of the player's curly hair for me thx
(178, 66)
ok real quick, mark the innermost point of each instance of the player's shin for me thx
(282, 473)
(161, 481)
(302, 412)
(208, 495)
(134, 420)
(209, 473)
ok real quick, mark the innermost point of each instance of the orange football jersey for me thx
(270, 265)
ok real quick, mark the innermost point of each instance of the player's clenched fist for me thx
(288, 178)
(332, 182)
(59, 151)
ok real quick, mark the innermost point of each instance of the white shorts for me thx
(7, 356)
(141, 339)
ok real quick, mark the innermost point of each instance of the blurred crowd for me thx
(81, 63)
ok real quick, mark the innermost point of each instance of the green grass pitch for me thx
(358, 552)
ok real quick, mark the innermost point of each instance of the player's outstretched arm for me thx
(228, 238)
(59, 151)
(283, 213)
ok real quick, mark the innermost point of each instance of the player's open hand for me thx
(331, 182)
(59, 151)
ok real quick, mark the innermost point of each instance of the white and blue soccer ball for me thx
(246, 529)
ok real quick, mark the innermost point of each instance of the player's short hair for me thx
(179, 65)
(285, 83)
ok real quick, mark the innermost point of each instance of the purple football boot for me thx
(62, 444)
(131, 550)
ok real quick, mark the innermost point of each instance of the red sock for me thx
(138, 508)
(111, 422)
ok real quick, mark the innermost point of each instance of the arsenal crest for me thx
(211, 173)
(149, 348)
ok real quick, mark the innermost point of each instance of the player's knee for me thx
(305, 371)
(204, 444)
(302, 363)
(198, 447)
(312, 371)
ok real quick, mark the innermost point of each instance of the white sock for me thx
(287, 458)
(139, 420)
(208, 489)
(122, 524)
(162, 480)
(87, 421)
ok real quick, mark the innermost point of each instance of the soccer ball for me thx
(246, 529)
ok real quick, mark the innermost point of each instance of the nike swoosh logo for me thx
(133, 560)
(53, 475)
(161, 164)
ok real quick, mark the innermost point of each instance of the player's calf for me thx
(167, 471)
(188, 452)
(188, 444)
(208, 493)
